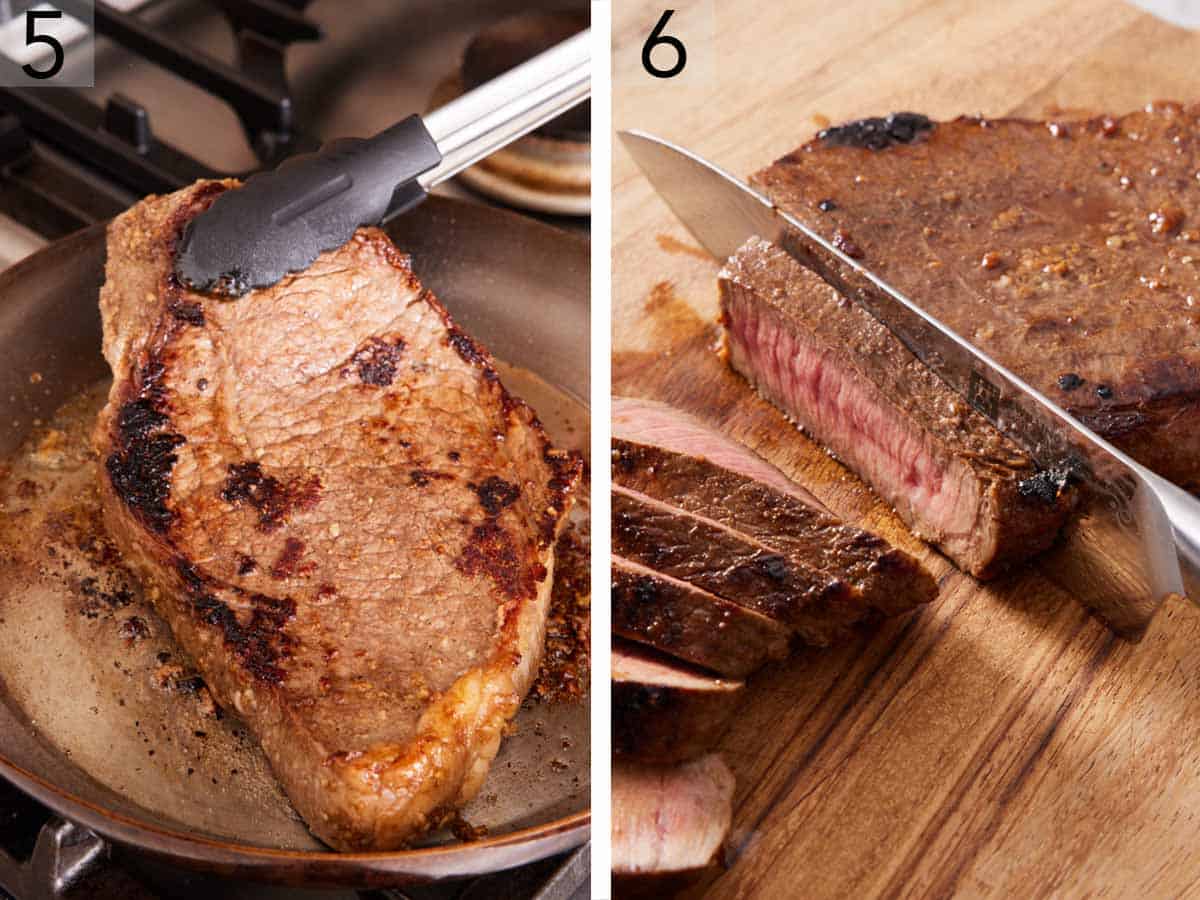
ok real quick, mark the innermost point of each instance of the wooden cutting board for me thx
(1000, 742)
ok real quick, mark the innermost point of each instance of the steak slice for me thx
(664, 712)
(690, 623)
(669, 823)
(343, 516)
(1067, 250)
(714, 557)
(845, 379)
(673, 457)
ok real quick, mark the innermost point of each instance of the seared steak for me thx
(732, 565)
(677, 459)
(668, 822)
(344, 517)
(690, 623)
(856, 389)
(664, 712)
(1066, 250)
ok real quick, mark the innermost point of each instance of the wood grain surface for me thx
(1000, 742)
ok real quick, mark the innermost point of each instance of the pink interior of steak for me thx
(848, 414)
(659, 425)
(630, 665)
(669, 818)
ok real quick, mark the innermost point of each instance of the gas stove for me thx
(186, 89)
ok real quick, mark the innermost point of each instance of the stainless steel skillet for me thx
(82, 705)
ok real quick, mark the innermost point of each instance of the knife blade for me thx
(1136, 540)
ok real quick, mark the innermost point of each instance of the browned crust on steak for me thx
(258, 624)
(1063, 248)
(666, 712)
(716, 558)
(888, 579)
(692, 624)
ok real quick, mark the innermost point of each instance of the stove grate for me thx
(108, 155)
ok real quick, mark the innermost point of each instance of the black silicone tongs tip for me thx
(280, 221)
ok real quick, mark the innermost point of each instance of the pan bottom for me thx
(94, 672)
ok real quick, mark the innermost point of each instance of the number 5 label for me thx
(51, 44)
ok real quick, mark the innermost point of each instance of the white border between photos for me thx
(601, 405)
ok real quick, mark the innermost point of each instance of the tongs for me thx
(281, 220)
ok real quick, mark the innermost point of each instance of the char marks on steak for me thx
(1067, 250)
(375, 630)
(669, 823)
(675, 458)
(692, 624)
(857, 390)
(666, 712)
(712, 556)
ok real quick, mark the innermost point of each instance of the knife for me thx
(1136, 540)
(281, 220)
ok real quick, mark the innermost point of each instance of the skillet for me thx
(78, 735)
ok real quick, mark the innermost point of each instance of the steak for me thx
(675, 458)
(664, 712)
(669, 823)
(844, 378)
(1068, 250)
(345, 519)
(714, 557)
(692, 624)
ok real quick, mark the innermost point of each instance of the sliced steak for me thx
(343, 516)
(665, 712)
(673, 457)
(857, 390)
(690, 623)
(669, 823)
(730, 564)
(1066, 249)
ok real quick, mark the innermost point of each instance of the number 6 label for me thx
(663, 48)
(658, 39)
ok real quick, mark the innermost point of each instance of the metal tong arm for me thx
(495, 114)
(281, 220)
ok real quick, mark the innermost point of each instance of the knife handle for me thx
(1183, 510)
